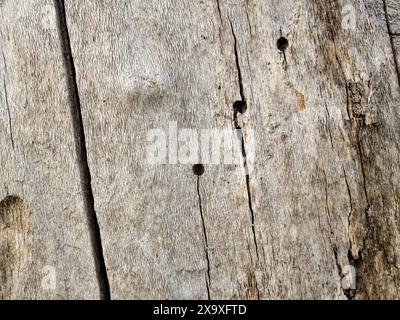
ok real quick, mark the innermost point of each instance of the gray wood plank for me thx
(321, 199)
(45, 250)
(327, 199)
(147, 70)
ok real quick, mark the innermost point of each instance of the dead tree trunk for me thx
(311, 90)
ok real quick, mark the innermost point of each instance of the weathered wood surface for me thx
(321, 198)
(45, 249)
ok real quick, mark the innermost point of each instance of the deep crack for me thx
(243, 145)
(80, 143)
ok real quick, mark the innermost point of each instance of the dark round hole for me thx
(240, 106)
(198, 169)
(282, 44)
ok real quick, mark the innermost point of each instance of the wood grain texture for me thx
(45, 250)
(332, 181)
(323, 193)
(320, 200)
(159, 75)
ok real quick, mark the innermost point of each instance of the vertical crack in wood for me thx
(7, 103)
(80, 144)
(243, 145)
(391, 34)
(219, 12)
(208, 280)
(239, 70)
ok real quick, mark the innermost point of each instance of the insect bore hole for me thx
(282, 44)
(240, 107)
(198, 169)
